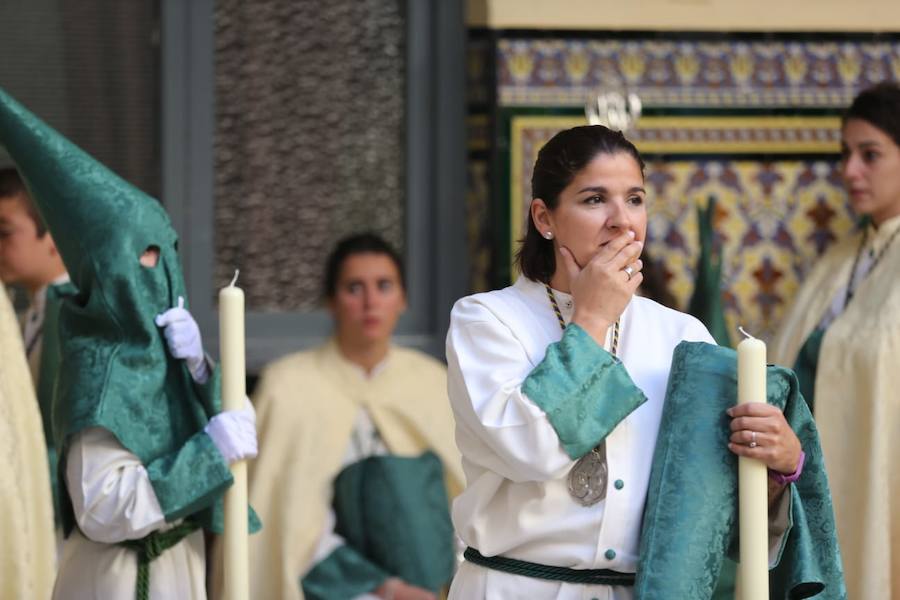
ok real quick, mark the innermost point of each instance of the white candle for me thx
(231, 350)
(752, 485)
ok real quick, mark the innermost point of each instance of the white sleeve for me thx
(111, 492)
(498, 427)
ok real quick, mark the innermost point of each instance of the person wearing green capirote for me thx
(29, 258)
(557, 385)
(143, 447)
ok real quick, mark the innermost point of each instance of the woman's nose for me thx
(851, 167)
(618, 217)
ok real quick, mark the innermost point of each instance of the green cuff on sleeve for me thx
(190, 479)
(345, 573)
(584, 390)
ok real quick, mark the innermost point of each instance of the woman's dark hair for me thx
(361, 243)
(567, 153)
(878, 105)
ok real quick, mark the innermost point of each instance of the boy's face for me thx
(23, 254)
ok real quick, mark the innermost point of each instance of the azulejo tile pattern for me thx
(692, 73)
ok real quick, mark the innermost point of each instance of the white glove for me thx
(183, 337)
(234, 433)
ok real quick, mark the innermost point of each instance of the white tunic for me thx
(114, 501)
(516, 503)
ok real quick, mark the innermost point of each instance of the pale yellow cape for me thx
(27, 544)
(857, 408)
(306, 405)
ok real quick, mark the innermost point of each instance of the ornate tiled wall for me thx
(692, 73)
(753, 122)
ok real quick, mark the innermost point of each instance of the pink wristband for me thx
(784, 479)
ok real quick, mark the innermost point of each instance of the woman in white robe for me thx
(563, 375)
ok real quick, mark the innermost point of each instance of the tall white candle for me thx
(231, 350)
(752, 485)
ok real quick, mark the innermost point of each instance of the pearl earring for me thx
(548, 235)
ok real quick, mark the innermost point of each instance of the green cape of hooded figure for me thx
(115, 370)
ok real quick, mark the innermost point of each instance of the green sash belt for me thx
(530, 569)
(150, 547)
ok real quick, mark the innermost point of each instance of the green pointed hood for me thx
(115, 370)
(97, 218)
(706, 301)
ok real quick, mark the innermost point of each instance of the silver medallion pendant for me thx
(587, 479)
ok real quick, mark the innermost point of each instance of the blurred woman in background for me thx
(357, 457)
(842, 335)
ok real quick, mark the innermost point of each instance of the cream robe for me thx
(306, 406)
(27, 551)
(857, 407)
(516, 502)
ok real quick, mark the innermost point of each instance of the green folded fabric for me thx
(394, 511)
(690, 520)
(344, 573)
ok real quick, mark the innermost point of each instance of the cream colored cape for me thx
(857, 408)
(306, 405)
(27, 551)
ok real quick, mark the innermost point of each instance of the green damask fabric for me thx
(806, 364)
(345, 573)
(47, 372)
(566, 384)
(690, 520)
(394, 511)
(115, 371)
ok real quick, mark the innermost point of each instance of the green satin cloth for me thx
(690, 520)
(806, 364)
(575, 372)
(392, 511)
(47, 371)
(115, 370)
(345, 573)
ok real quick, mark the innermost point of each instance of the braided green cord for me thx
(549, 572)
(149, 548)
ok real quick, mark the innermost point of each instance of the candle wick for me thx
(234, 281)
(744, 331)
